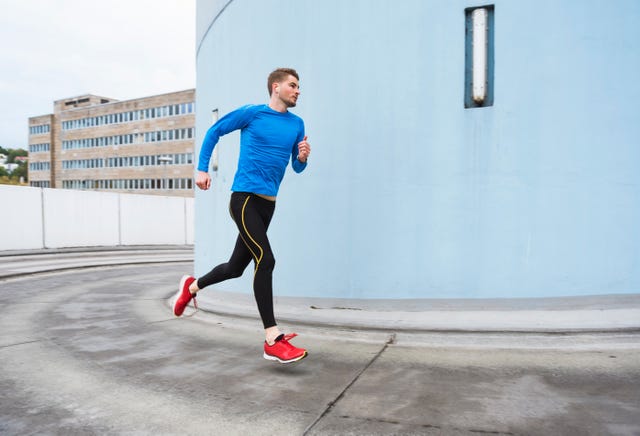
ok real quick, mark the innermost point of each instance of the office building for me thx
(143, 145)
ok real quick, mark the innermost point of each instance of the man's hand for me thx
(203, 180)
(303, 150)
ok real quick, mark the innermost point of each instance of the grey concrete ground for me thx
(97, 351)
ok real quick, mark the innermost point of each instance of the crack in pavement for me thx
(391, 340)
(2, 347)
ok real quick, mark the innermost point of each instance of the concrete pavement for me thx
(97, 351)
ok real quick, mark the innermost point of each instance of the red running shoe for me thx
(183, 296)
(282, 351)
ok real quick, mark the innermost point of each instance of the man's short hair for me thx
(279, 75)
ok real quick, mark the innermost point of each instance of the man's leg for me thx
(238, 262)
(189, 286)
(252, 215)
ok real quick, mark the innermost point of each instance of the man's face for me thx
(288, 91)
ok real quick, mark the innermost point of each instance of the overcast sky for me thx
(123, 49)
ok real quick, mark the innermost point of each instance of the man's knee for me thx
(268, 262)
(234, 271)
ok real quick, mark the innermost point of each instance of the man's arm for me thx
(203, 180)
(300, 151)
(304, 149)
(232, 121)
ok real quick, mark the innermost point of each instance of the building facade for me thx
(460, 148)
(90, 142)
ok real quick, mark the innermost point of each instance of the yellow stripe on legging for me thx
(244, 226)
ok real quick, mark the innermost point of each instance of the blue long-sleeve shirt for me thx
(268, 140)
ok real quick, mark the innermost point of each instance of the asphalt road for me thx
(97, 351)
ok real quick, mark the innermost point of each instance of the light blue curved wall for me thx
(410, 195)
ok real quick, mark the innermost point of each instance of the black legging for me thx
(252, 214)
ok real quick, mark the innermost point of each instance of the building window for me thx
(121, 117)
(39, 166)
(35, 148)
(479, 56)
(38, 130)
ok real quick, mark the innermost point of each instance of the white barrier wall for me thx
(80, 218)
(150, 220)
(20, 218)
(33, 218)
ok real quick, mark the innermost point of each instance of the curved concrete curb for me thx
(551, 315)
(28, 262)
(603, 313)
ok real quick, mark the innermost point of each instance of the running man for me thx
(270, 137)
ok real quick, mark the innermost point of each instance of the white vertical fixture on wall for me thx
(479, 18)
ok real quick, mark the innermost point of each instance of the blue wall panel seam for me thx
(210, 26)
